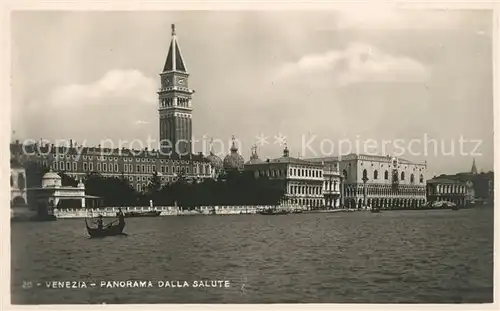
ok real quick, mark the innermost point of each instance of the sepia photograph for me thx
(252, 156)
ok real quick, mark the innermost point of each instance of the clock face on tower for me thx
(168, 82)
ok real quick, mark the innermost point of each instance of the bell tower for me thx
(175, 109)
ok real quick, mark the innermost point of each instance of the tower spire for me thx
(174, 61)
(474, 168)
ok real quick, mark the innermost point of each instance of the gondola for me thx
(109, 230)
(273, 212)
(142, 214)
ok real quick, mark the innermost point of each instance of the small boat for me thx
(444, 205)
(142, 214)
(273, 211)
(375, 210)
(108, 230)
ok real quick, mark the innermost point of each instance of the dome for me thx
(233, 160)
(254, 161)
(51, 179)
(254, 158)
(215, 161)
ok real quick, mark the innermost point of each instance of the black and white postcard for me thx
(268, 156)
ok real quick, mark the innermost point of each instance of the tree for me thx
(34, 174)
(114, 191)
(154, 188)
(155, 184)
(237, 188)
(67, 181)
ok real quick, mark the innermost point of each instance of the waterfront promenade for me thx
(176, 211)
(204, 210)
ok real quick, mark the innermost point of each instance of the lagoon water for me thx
(439, 256)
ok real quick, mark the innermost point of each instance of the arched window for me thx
(412, 178)
(375, 174)
(11, 181)
(421, 178)
(365, 174)
(21, 182)
(386, 175)
(402, 175)
(344, 172)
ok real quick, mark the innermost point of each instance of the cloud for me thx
(381, 16)
(116, 84)
(141, 122)
(359, 62)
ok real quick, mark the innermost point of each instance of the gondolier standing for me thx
(121, 217)
(99, 222)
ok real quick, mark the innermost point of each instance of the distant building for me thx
(18, 192)
(440, 189)
(303, 180)
(136, 166)
(479, 186)
(53, 195)
(378, 181)
(333, 186)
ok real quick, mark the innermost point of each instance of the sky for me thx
(308, 78)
